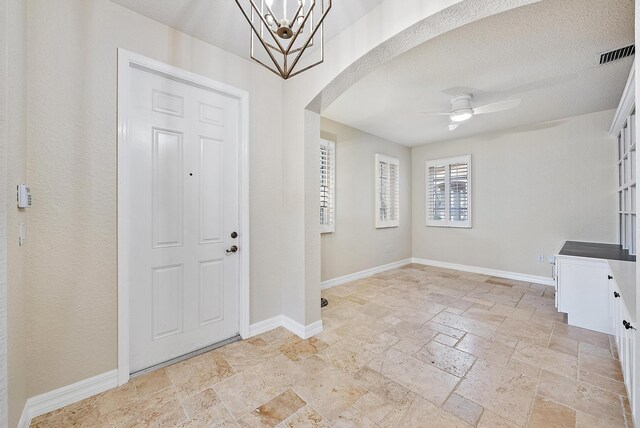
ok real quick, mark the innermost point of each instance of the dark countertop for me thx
(595, 250)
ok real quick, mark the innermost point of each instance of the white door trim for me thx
(125, 60)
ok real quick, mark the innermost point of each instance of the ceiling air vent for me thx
(616, 54)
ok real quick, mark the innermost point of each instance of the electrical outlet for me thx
(541, 258)
(551, 259)
(387, 250)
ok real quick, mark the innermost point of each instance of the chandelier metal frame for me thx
(281, 43)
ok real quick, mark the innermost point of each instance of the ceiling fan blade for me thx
(453, 126)
(436, 113)
(496, 107)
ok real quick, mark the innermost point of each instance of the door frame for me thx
(126, 60)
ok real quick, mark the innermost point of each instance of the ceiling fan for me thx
(461, 109)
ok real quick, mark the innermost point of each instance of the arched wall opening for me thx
(388, 31)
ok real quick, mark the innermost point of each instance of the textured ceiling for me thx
(544, 54)
(220, 22)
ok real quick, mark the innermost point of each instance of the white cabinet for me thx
(583, 292)
(624, 325)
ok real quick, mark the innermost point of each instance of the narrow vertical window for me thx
(387, 188)
(448, 192)
(327, 186)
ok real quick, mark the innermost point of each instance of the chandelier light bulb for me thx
(269, 3)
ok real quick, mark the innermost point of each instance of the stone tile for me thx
(439, 328)
(274, 411)
(446, 358)
(422, 411)
(361, 371)
(381, 343)
(546, 358)
(490, 317)
(306, 417)
(503, 391)
(598, 351)
(199, 373)
(511, 312)
(580, 396)
(603, 366)
(331, 393)
(352, 417)
(491, 420)
(522, 367)
(532, 331)
(82, 414)
(431, 383)
(115, 398)
(585, 420)
(603, 382)
(248, 353)
(445, 340)
(382, 386)
(296, 349)
(546, 413)
(497, 351)
(245, 391)
(151, 383)
(276, 335)
(200, 402)
(214, 416)
(563, 344)
(373, 407)
(478, 328)
(582, 335)
(346, 356)
(464, 409)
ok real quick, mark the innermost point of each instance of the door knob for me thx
(233, 249)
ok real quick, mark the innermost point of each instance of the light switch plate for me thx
(22, 234)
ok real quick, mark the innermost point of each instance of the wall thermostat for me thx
(24, 196)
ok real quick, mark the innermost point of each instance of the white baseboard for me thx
(294, 327)
(58, 398)
(363, 274)
(265, 326)
(486, 271)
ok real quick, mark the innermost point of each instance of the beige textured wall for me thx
(533, 188)
(72, 171)
(16, 173)
(356, 244)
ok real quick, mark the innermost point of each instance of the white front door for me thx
(181, 189)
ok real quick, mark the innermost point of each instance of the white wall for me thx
(532, 189)
(17, 320)
(356, 244)
(72, 278)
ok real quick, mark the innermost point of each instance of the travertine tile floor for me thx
(412, 347)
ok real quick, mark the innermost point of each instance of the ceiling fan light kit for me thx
(285, 29)
(461, 109)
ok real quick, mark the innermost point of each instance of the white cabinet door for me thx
(583, 287)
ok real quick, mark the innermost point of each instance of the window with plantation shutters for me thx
(327, 186)
(387, 188)
(448, 188)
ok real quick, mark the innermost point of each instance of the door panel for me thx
(181, 186)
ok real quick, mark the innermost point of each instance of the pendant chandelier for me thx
(285, 29)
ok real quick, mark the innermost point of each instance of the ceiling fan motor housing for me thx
(461, 108)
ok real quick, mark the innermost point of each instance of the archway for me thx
(385, 33)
